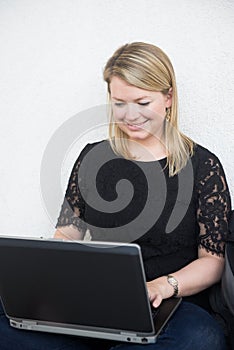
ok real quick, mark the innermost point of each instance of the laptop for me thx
(91, 289)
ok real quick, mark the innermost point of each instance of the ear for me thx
(169, 97)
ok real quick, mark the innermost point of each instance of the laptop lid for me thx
(82, 288)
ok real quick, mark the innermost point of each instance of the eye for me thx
(119, 104)
(144, 103)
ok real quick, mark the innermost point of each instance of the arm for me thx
(70, 232)
(193, 278)
(213, 209)
(71, 224)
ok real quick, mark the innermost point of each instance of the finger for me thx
(150, 296)
(157, 301)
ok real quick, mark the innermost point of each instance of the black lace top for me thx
(169, 217)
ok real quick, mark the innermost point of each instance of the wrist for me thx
(172, 281)
(165, 289)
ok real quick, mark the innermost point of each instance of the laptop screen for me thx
(84, 284)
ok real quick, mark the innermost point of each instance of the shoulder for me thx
(91, 145)
(205, 160)
(203, 154)
(98, 145)
(95, 154)
(207, 166)
(85, 151)
(208, 171)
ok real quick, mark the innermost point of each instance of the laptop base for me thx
(165, 312)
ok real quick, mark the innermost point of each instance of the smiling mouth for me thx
(138, 125)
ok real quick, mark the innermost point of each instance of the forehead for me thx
(121, 90)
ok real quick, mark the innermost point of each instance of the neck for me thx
(147, 150)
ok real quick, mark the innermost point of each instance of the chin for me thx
(138, 136)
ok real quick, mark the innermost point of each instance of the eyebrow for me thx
(136, 100)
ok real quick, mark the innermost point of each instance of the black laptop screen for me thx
(73, 283)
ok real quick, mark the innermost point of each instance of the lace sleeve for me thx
(73, 207)
(213, 205)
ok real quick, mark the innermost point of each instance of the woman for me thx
(183, 230)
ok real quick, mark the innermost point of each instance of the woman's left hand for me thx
(158, 290)
(198, 275)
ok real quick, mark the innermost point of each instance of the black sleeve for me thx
(73, 207)
(213, 204)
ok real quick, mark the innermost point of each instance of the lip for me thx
(137, 126)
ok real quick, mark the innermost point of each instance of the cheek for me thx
(123, 127)
(156, 115)
(118, 114)
(157, 112)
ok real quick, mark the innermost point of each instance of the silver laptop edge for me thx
(94, 332)
(103, 334)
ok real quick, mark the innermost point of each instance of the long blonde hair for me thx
(147, 67)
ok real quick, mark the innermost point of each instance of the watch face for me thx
(173, 281)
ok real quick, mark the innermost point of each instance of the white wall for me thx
(51, 61)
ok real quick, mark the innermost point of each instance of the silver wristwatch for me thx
(174, 283)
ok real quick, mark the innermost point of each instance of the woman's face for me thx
(139, 113)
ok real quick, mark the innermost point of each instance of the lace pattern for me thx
(73, 207)
(210, 204)
(213, 206)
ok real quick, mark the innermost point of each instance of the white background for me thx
(51, 61)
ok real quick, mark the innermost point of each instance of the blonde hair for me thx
(147, 67)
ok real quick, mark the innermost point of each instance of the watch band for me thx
(174, 283)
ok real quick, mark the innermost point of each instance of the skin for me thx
(141, 115)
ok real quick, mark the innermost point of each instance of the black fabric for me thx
(206, 207)
(222, 314)
(221, 307)
(228, 274)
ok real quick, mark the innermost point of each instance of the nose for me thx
(132, 112)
